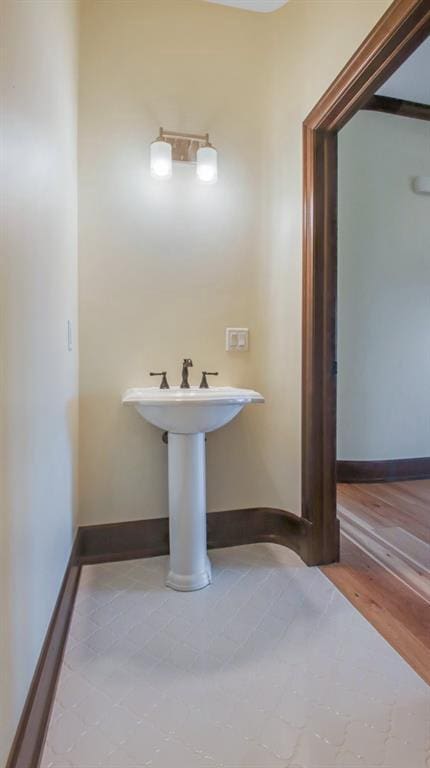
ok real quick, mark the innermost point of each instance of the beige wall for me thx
(38, 293)
(384, 289)
(310, 42)
(164, 268)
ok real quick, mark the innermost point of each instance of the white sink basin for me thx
(186, 414)
(187, 411)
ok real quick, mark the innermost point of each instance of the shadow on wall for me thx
(72, 418)
(122, 465)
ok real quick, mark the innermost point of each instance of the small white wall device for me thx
(421, 185)
(236, 339)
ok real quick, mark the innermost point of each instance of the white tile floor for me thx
(270, 667)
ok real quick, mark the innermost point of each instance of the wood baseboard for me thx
(149, 538)
(399, 107)
(27, 747)
(390, 470)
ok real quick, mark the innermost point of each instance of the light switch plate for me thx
(236, 339)
(69, 336)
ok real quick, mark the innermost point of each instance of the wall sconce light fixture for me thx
(161, 159)
(194, 148)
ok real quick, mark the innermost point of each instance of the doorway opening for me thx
(403, 28)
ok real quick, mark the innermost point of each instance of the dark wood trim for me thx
(27, 747)
(399, 107)
(129, 540)
(389, 470)
(404, 26)
(148, 538)
(319, 345)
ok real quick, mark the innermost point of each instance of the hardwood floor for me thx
(385, 562)
(391, 523)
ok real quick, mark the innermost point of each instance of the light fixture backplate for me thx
(184, 150)
(184, 145)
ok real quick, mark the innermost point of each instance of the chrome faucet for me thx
(188, 363)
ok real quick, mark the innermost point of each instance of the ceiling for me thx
(261, 6)
(412, 79)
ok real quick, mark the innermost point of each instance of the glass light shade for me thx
(161, 159)
(207, 164)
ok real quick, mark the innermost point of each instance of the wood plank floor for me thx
(386, 534)
(391, 523)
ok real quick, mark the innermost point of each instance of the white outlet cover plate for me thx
(236, 339)
(421, 185)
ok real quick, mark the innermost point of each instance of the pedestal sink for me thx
(187, 414)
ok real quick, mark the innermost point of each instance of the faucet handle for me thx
(204, 382)
(188, 363)
(164, 383)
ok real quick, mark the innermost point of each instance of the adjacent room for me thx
(214, 393)
(383, 466)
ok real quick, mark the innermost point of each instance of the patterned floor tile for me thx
(270, 667)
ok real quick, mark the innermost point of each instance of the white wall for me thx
(384, 289)
(38, 284)
(165, 268)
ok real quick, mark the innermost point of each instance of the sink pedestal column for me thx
(189, 567)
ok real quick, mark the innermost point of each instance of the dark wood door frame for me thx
(404, 26)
